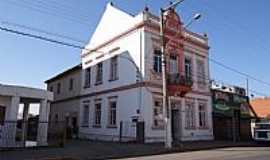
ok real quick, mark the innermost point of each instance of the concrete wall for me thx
(11, 97)
(66, 103)
(127, 105)
(129, 51)
(65, 109)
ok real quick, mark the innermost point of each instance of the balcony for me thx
(178, 85)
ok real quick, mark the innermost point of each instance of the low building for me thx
(66, 88)
(14, 132)
(232, 113)
(261, 106)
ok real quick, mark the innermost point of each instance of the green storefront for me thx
(231, 116)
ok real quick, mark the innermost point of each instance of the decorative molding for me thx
(123, 88)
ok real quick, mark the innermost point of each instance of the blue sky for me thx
(238, 36)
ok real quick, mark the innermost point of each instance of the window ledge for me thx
(98, 83)
(157, 73)
(85, 87)
(203, 128)
(111, 126)
(158, 127)
(113, 79)
(84, 126)
(190, 128)
(97, 126)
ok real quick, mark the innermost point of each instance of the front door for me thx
(175, 125)
(236, 121)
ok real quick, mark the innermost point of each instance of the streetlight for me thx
(196, 17)
(168, 136)
(166, 115)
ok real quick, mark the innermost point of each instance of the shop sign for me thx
(222, 107)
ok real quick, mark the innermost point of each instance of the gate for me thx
(22, 134)
(131, 131)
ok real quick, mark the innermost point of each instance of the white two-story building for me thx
(122, 79)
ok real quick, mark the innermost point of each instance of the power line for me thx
(251, 90)
(57, 9)
(42, 38)
(68, 18)
(238, 72)
(42, 31)
(81, 47)
(231, 68)
(241, 27)
(84, 12)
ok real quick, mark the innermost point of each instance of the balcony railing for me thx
(179, 84)
(178, 79)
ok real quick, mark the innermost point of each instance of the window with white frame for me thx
(188, 68)
(99, 73)
(114, 68)
(201, 73)
(158, 114)
(97, 121)
(87, 78)
(190, 115)
(112, 113)
(157, 61)
(173, 64)
(85, 113)
(202, 115)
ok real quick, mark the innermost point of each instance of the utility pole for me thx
(166, 109)
(247, 88)
(168, 143)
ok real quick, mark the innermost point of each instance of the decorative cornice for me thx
(123, 88)
(149, 27)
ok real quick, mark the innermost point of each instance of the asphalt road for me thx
(236, 153)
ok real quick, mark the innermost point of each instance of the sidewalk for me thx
(204, 145)
(77, 150)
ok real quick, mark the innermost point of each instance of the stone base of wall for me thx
(198, 138)
(111, 138)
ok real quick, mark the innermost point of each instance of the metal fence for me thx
(127, 130)
(132, 131)
(17, 134)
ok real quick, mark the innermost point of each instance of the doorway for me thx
(175, 124)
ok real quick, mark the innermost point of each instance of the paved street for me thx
(235, 153)
(85, 150)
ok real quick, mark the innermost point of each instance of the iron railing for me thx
(20, 134)
(178, 79)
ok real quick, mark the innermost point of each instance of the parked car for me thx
(262, 131)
